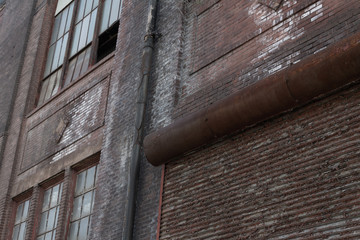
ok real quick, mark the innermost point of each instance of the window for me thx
(83, 204)
(77, 31)
(50, 213)
(20, 221)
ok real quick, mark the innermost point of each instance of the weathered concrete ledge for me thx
(318, 74)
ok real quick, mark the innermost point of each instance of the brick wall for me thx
(293, 176)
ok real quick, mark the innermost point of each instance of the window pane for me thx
(63, 23)
(42, 225)
(19, 213)
(80, 13)
(16, 232)
(57, 82)
(77, 71)
(54, 234)
(80, 181)
(25, 211)
(84, 32)
(86, 61)
(88, 7)
(55, 29)
(46, 200)
(83, 228)
(73, 230)
(50, 86)
(40, 238)
(68, 21)
(77, 208)
(90, 178)
(54, 196)
(86, 210)
(75, 42)
(61, 5)
(51, 219)
(56, 216)
(43, 91)
(22, 231)
(70, 71)
(63, 48)
(56, 55)
(96, 3)
(105, 16)
(92, 26)
(48, 236)
(114, 11)
(93, 200)
(49, 60)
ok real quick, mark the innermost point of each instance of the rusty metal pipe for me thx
(141, 103)
(318, 74)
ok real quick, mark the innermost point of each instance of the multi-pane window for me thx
(73, 41)
(83, 204)
(50, 213)
(20, 221)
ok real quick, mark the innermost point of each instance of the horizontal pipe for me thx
(318, 74)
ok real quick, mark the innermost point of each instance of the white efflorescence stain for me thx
(286, 26)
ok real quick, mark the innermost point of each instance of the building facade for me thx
(249, 111)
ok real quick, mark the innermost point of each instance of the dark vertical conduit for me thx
(142, 92)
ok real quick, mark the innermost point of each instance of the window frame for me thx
(17, 201)
(57, 180)
(77, 170)
(64, 68)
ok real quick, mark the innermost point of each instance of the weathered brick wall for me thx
(232, 44)
(13, 39)
(13, 35)
(109, 209)
(293, 176)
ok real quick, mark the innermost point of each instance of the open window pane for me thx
(105, 16)
(115, 8)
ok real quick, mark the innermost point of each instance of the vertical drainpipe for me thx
(142, 93)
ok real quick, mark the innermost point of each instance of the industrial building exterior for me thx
(179, 119)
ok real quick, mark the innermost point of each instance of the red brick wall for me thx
(293, 176)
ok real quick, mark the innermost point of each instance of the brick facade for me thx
(293, 176)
